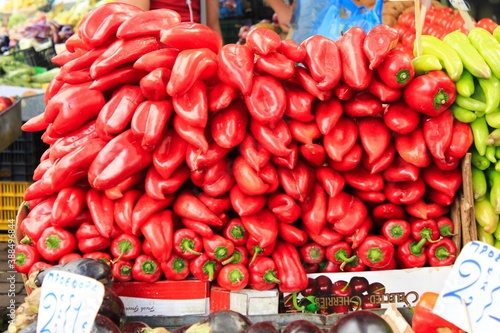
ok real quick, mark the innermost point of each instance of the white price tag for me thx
(471, 295)
(460, 4)
(68, 303)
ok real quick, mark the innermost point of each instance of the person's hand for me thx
(284, 16)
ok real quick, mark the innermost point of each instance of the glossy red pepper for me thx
(446, 226)
(187, 243)
(99, 255)
(461, 140)
(412, 148)
(283, 207)
(67, 206)
(376, 251)
(176, 268)
(164, 57)
(189, 206)
(355, 65)
(430, 93)
(77, 77)
(146, 269)
(341, 139)
(323, 61)
(147, 23)
(245, 205)
(233, 277)
(153, 85)
(218, 247)
(191, 134)
(396, 231)
(346, 213)
(253, 153)
(83, 61)
(427, 229)
(297, 183)
(313, 210)
(400, 171)
(314, 154)
(262, 40)
(363, 104)
(192, 106)
(396, 70)
(218, 178)
(198, 160)
(343, 92)
(221, 95)
(289, 161)
(252, 182)
(304, 133)
(423, 209)
(438, 132)
(383, 92)
(292, 234)
(411, 254)
(122, 75)
(291, 274)
(374, 136)
(102, 211)
(359, 235)
(400, 118)
(298, 102)
(236, 64)
(305, 79)
(332, 181)
(275, 64)
(387, 211)
(312, 253)
(369, 196)
(267, 100)
(447, 182)
(204, 269)
(25, 256)
(72, 141)
(218, 205)
(239, 256)
(361, 179)
(228, 126)
(55, 242)
(125, 247)
(149, 122)
(292, 50)
(145, 207)
(340, 253)
(159, 188)
(263, 275)
(404, 192)
(159, 232)
(262, 226)
(442, 252)
(69, 257)
(255, 250)
(89, 239)
(379, 41)
(169, 154)
(121, 270)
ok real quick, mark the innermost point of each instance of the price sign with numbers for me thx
(470, 298)
(68, 303)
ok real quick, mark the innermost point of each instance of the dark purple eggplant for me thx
(112, 307)
(134, 327)
(222, 321)
(103, 324)
(361, 321)
(264, 327)
(181, 329)
(93, 268)
(302, 326)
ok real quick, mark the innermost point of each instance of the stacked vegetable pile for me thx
(172, 155)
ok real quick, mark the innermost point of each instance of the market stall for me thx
(266, 181)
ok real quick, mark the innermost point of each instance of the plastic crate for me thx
(42, 58)
(11, 197)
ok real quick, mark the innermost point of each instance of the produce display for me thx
(186, 158)
(14, 72)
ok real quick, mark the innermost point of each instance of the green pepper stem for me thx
(53, 242)
(416, 248)
(295, 304)
(149, 267)
(442, 253)
(270, 277)
(187, 245)
(256, 251)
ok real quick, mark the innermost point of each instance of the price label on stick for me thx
(470, 298)
(68, 303)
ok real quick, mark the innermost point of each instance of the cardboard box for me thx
(245, 301)
(164, 298)
(372, 289)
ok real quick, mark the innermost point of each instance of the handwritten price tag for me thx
(68, 303)
(471, 295)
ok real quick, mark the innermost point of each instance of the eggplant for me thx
(361, 321)
(134, 327)
(103, 324)
(222, 321)
(264, 327)
(112, 307)
(302, 326)
(93, 268)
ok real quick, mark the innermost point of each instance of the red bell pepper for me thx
(297, 183)
(192, 106)
(122, 75)
(122, 51)
(218, 247)
(200, 228)
(412, 148)
(461, 140)
(341, 139)
(221, 96)
(442, 252)
(153, 85)
(446, 226)
(254, 153)
(327, 236)
(291, 274)
(430, 93)
(83, 61)
(72, 141)
(304, 132)
(239, 256)
(396, 70)
(164, 57)
(255, 250)
(121, 270)
(218, 205)
(292, 234)
(340, 254)
(289, 161)
(250, 181)
(359, 235)
(102, 211)
(77, 77)
(401, 171)
(405, 192)
(64, 57)
(292, 50)
(427, 229)
(147, 23)
(262, 40)
(149, 122)
(305, 79)
(400, 118)
(158, 188)
(176, 268)
(262, 226)
(375, 137)
(323, 61)
(125, 247)
(361, 179)
(346, 213)
(284, 207)
(187, 243)
(146, 269)
(276, 65)
(228, 126)
(379, 41)
(233, 277)
(191, 134)
(169, 154)
(355, 65)
(383, 92)
(67, 206)
(437, 133)
(447, 182)
(314, 154)
(235, 232)
(189, 35)
(312, 253)
(204, 269)
(197, 160)
(314, 209)
(331, 181)
(55, 242)
(387, 211)
(102, 256)
(89, 239)
(69, 257)
(218, 178)
(25, 256)
(411, 254)
(369, 196)
(159, 232)
(343, 92)
(38, 266)
(236, 64)
(427, 209)
(188, 206)
(376, 251)
(123, 209)
(245, 205)
(267, 100)
(425, 320)
(396, 231)
(363, 104)
(298, 102)
(263, 275)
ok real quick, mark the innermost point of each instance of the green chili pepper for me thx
(497, 166)
(490, 154)
(462, 114)
(426, 63)
(497, 243)
(485, 237)
(471, 59)
(465, 85)
(479, 184)
(448, 57)
(480, 162)
(494, 185)
(493, 119)
(488, 47)
(496, 34)
(485, 214)
(491, 90)
(470, 103)
(480, 133)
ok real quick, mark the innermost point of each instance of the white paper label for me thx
(470, 298)
(460, 4)
(68, 303)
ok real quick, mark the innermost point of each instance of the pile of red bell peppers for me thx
(172, 155)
